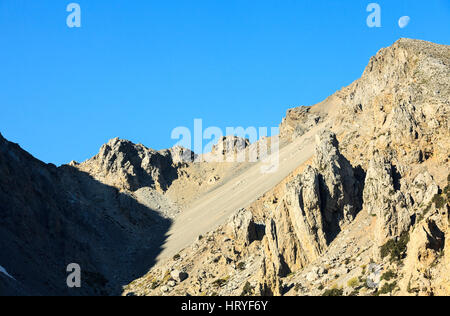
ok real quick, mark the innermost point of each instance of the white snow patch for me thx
(3, 270)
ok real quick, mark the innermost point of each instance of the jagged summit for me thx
(130, 166)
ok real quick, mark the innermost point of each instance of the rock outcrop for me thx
(242, 228)
(299, 120)
(228, 149)
(424, 249)
(128, 166)
(341, 190)
(180, 155)
(305, 212)
(316, 205)
(384, 200)
(230, 145)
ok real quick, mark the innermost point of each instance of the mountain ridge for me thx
(392, 126)
(357, 172)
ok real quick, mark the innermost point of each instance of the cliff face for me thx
(367, 215)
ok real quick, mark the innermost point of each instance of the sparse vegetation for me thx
(221, 282)
(154, 285)
(389, 275)
(396, 249)
(447, 188)
(248, 289)
(439, 201)
(176, 257)
(166, 277)
(333, 292)
(424, 213)
(355, 292)
(387, 288)
(354, 282)
(364, 268)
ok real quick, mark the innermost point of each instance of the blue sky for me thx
(138, 69)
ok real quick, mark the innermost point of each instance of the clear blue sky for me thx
(138, 69)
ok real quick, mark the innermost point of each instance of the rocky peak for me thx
(130, 166)
(402, 50)
(230, 145)
(181, 155)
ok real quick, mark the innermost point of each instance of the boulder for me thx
(178, 275)
(241, 227)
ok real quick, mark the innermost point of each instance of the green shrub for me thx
(355, 292)
(387, 288)
(424, 213)
(447, 192)
(166, 277)
(248, 289)
(221, 282)
(333, 292)
(176, 257)
(395, 249)
(389, 275)
(439, 201)
(353, 282)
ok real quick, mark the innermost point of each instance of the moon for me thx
(404, 21)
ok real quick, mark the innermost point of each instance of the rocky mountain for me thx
(52, 217)
(367, 214)
(358, 205)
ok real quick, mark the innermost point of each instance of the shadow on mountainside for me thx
(51, 217)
